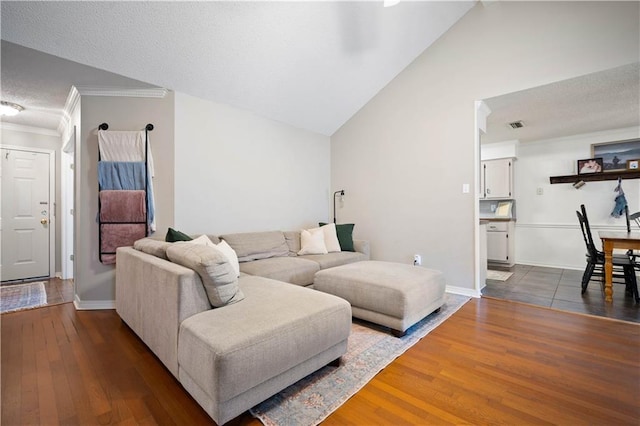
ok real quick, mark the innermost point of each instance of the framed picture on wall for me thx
(589, 165)
(633, 164)
(616, 154)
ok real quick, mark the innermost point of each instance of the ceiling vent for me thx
(516, 124)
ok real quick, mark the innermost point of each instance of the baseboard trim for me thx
(93, 305)
(463, 291)
(570, 226)
(546, 265)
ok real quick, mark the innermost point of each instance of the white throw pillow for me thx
(230, 253)
(312, 242)
(224, 247)
(202, 240)
(331, 237)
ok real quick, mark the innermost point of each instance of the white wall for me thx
(31, 137)
(404, 157)
(95, 282)
(497, 150)
(547, 230)
(238, 172)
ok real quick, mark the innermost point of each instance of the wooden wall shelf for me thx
(594, 177)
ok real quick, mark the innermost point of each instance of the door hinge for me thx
(71, 166)
(71, 257)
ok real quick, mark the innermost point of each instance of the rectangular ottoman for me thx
(386, 293)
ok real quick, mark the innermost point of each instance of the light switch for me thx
(465, 188)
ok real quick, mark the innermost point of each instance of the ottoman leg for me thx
(398, 333)
(335, 363)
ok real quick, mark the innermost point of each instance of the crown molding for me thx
(153, 92)
(29, 129)
(69, 106)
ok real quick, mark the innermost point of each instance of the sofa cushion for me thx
(345, 235)
(175, 235)
(231, 255)
(293, 241)
(225, 248)
(152, 246)
(331, 260)
(218, 276)
(278, 326)
(257, 245)
(288, 269)
(312, 242)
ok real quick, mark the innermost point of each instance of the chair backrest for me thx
(626, 215)
(586, 232)
(636, 218)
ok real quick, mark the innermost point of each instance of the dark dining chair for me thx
(635, 217)
(624, 266)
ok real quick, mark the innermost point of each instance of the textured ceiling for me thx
(308, 64)
(41, 82)
(591, 103)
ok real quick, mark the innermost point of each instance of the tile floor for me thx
(560, 289)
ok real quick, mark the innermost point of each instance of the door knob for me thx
(44, 221)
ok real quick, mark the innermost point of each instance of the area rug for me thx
(498, 275)
(315, 397)
(22, 296)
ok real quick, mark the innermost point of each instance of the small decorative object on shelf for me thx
(590, 165)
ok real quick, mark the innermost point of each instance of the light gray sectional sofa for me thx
(233, 357)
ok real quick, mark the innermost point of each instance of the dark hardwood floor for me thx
(492, 362)
(59, 291)
(561, 289)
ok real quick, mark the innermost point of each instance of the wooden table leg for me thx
(608, 271)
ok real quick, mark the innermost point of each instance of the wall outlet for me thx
(417, 260)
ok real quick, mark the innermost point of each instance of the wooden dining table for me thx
(611, 240)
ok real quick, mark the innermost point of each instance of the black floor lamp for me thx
(341, 192)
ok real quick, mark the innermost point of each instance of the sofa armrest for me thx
(154, 296)
(362, 246)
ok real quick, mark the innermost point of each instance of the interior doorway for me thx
(27, 213)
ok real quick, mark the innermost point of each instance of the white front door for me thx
(25, 215)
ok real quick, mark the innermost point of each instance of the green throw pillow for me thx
(173, 236)
(345, 236)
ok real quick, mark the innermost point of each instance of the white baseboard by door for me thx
(93, 305)
(463, 291)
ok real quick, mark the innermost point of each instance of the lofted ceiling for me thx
(311, 65)
(594, 102)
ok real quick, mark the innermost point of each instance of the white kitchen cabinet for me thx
(500, 242)
(497, 179)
